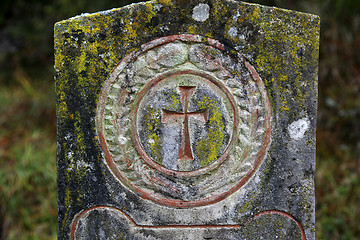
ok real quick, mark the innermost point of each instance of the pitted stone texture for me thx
(233, 44)
(273, 225)
(111, 223)
(195, 113)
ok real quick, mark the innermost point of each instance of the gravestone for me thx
(187, 120)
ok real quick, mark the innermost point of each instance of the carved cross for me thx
(185, 149)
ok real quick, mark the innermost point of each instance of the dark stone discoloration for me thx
(282, 48)
(110, 223)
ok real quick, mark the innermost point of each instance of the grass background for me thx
(28, 124)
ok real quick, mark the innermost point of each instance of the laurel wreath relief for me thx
(198, 54)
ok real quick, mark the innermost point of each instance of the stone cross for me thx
(187, 120)
(185, 149)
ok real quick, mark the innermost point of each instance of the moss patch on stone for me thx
(208, 148)
(152, 121)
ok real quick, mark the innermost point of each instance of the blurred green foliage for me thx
(28, 124)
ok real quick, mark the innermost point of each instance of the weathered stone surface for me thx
(111, 223)
(187, 120)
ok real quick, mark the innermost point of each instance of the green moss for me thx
(247, 206)
(278, 53)
(305, 204)
(153, 133)
(175, 102)
(67, 205)
(84, 60)
(219, 9)
(208, 148)
(75, 170)
(165, 2)
(79, 135)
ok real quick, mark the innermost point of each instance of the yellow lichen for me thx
(208, 148)
(277, 60)
(151, 12)
(219, 9)
(192, 29)
(67, 203)
(284, 106)
(79, 135)
(283, 77)
(165, 2)
(286, 63)
(175, 102)
(153, 124)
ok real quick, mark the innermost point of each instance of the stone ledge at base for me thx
(113, 224)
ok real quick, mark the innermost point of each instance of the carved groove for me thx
(116, 115)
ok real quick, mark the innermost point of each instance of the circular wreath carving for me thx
(173, 80)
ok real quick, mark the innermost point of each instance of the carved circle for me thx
(184, 68)
(171, 79)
